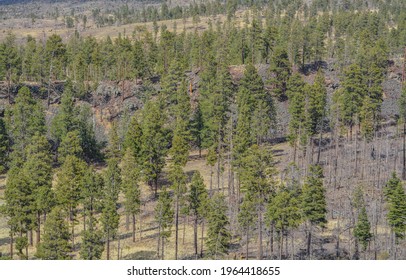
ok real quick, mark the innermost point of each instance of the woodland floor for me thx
(371, 173)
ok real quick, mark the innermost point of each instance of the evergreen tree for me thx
(317, 103)
(91, 193)
(164, 217)
(197, 200)
(10, 62)
(218, 234)
(362, 229)
(69, 187)
(64, 121)
(171, 82)
(110, 217)
(246, 218)
(279, 69)
(19, 205)
(114, 150)
(24, 120)
(313, 202)
(92, 245)
(352, 95)
(196, 128)
(130, 183)
(154, 143)
(256, 179)
(402, 111)
(4, 146)
(38, 170)
(244, 137)
(70, 146)
(85, 125)
(396, 203)
(133, 139)
(298, 124)
(55, 242)
(284, 212)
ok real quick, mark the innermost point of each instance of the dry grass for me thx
(146, 233)
(21, 29)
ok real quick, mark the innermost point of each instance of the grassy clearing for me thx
(21, 28)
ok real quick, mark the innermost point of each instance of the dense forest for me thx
(278, 135)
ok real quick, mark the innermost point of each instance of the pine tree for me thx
(114, 149)
(362, 229)
(218, 234)
(280, 72)
(351, 96)
(254, 112)
(197, 200)
(396, 203)
(92, 245)
(171, 82)
(70, 146)
(313, 202)
(196, 128)
(402, 111)
(64, 121)
(4, 146)
(55, 243)
(246, 218)
(296, 92)
(284, 212)
(317, 103)
(91, 193)
(164, 217)
(256, 179)
(154, 143)
(10, 62)
(139, 60)
(38, 170)
(84, 123)
(19, 204)
(113, 185)
(180, 155)
(130, 184)
(69, 187)
(24, 120)
(133, 139)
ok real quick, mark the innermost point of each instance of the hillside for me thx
(203, 130)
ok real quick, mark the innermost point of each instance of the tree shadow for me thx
(141, 255)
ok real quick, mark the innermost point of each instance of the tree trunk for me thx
(404, 152)
(31, 234)
(272, 227)
(140, 229)
(73, 227)
(163, 248)
(159, 241)
(11, 245)
(26, 248)
(118, 247)
(108, 245)
(38, 235)
(133, 227)
(309, 242)
(195, 236)
(176, 227)
(211, 181)
(202, 239)
(260, 235)
(247, 241)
